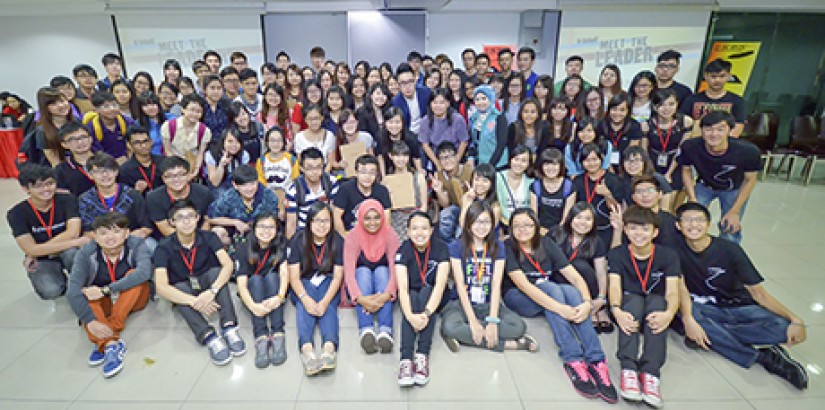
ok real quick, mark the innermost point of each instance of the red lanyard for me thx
(587, 192)
(80, 168)
(48, 227)
(190, 264)
(146, 178)
(664, 141)
(575, 250)
(644, 279)
(114, 200)
(422, 269)
(616, 137)
(262, 262)
(480, 264)
(532, 262)
(111, 267)
(319, 258)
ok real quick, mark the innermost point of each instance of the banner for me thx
(492, 51)
(742, 56)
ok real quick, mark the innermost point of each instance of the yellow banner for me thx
(742, 56)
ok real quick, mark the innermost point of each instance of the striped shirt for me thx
(309, 198)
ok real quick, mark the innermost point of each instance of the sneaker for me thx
(218, 351)
(113, 360)
(262, 346)
(278, 346)
(650, 390)
(368, 341)
(629, 387)
(312, 365)
(451, 342)
(328, 361)
(604, 387)
(776, 360)
(405, 373)
(96, 358)
(233, 339)
(580, 377)
(385, 342)
(422, 369)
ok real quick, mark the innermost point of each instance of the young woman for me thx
(602, 189)
(482, 188)
(276, 168)
(641, 89)
(361, 69)
(42, 145)
(422, 269)
(477, 261)
(246, 129)
(532, 260)
(151, 117)
(551, 195)
(636, 163)
(333, 104)
(392, 131)
(560, 119)
(393, 86)
(186, 86)
(442, 123)
(224, 156)
(432, 79)
(168, 94)
(585, 134)
(513, 95)
(513, 185)
(401, 164)
(529, 129)
(543, 93)
(386, 72)
(307, 73)
(357, 93)
(274, 112)
(348, 133)
(294, 86)
(369, 271)
(457, 96)
(186, 136)
(343, 75)
(315, 135)
(126, 99)
(572, 88)
(371, 115)
(488, 129)
(469, 86)
(172, 72)
(619, 128)
(446, 68)
(667, 129)
(313, 95)
(591, 104)
(610, 82)
(263, 281)
(215, 114)
(374, 77)
(579, 240)
(316, 269)
(326, 80)
(142, 82)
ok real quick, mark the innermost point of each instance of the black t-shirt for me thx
(477, 259)
(272, 259)
(718, 274)
(665, 264)
(158, 201)
(73, 177)
(551, 204)
(295, 252)
(682, 91)
(550, 260)
(384, 145)
(583, 186)
(130, 173)
(349, 197)
(406, 256)
(697, 105)
(668, 234)
(663, 157)
(126, 201)
(170, 254)
(627, 180)
(584, 264)
(724, 172)
(102, 277)
(23, 220)
(620, 139)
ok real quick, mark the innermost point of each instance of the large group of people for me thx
(481, 195)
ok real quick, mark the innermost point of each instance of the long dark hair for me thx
(275, 246)
(506, 92)
(549, 155)
(576, 143)
(371, 109)
(615, 101)
(462, 95)
(547, 82)
(283, 110)
(440, 92)
(146, 76)
(538, 252)
(340, 137)
(216, 148)
(335, 89)
(561, 234)
(641, 75)
(521, 129)
(488, 171)
(308, 263)
(133, 103)
(149, 98)
(476, 209)
(632, 151)
(617, 87)
(305, 101)
(566, 123)
(45, 97)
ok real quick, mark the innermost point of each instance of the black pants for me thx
(418, 301)
(654, 351)
(199, 325)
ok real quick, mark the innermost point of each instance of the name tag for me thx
(614, 157)
(661, 160)
(194, 283)
(476, 294)
(317, 280)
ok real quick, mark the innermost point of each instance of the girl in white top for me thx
(315, 135)
(190, 137)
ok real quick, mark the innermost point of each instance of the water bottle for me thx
(8, 122)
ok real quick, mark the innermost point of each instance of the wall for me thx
(378, 37)
(452, 32)
(297, 33)
(35, 49)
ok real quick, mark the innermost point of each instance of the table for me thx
(10, 141)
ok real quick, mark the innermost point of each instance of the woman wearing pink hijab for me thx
(369, 271)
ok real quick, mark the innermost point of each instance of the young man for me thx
(109, 280)
(716, 98)
(282, 60)
(86, 78)
(213, 60)
(413, 98)
(364, 186)
(231, 82)
(468, 58)
(646, 192)
(250, 97)
(238, 60)
(108, 196)
(725, 307)
(108, 126)
(426, 63)
(574, 65)
(177, 185)
(236, 208)
(483, 68)
(71, 174)
(311, 186)
(317, 55)
(505, 62)
(449, 186)
(644, 297)
(192, 270)
(414, 60)
(201, 70)
(526, 59)
(140, 172)
(113, 65)
(667, 66)
(46, 227)
(727, 169)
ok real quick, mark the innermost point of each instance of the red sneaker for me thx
(405, 373)
(422, 369)
(650, 390)
(629, 387)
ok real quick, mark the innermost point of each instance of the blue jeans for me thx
(305, 322)
(371, 282)
(705, 196)
(448, 223)
(734, 330)
(576, 341)
(263, 287)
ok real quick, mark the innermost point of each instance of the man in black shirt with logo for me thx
(140, 172)
(177, 185)
(667, 65)
(716, 98)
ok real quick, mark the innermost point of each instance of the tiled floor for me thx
(43, 351)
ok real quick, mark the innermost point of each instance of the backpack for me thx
(566, 188)
(301, 185)
(173, 127)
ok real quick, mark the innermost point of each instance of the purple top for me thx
(440, 131)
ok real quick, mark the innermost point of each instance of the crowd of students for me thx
(531, 198)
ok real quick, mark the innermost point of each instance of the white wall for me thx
(35, 49)
(452, 32)
(298, 33)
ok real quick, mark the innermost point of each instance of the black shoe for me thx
(582, 381)
(776, 360)
(601, 376)
(691, 344)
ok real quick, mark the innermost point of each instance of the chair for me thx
(761, 130)
(804, 142)
(816, 153)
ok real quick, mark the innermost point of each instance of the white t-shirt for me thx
(327, 145)
(415, 113)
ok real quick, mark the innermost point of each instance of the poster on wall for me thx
(631, 49)
(493, 50)
(742, 56)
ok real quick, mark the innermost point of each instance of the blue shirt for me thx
(230, 205)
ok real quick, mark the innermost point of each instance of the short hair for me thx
(692, 206)
(445, 146)
(60, 81)
(198, 64)
(468, 50)
(482, 55)
(311, 153)
(661, 94)
(31, 173)
(228, 70)
(189, 99)
(70, 128)
(247, 73)
(426, 57)
(403, 68)
(717, 66)
(504, 51)
(102, 160)
(317, 51)
(135, 129)
(414, 55)
(419, 214)
(669, 55)
(180, 205)
(646, 179)
(236, 55)
(550, 155)
(244, 174)
(172, 162)
(529, 51)
(110, 58)
(366, 159)
(111, 220)
(574, 58)
(212, 53)
(715, 117)
(102, 97)
(269, 67)
(637, 215)
(282, 53)
(83, 68)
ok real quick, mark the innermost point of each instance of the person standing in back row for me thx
(716, 98)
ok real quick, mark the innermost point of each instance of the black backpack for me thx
(301, 188)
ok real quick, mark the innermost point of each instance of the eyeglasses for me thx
(103, 171)
(141, 142)
(185, 217)
(110, 106)
(406, 82)
(483, 222)
(72, 140)
(174, 176)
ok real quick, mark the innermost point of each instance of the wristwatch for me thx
(105, 291)
(214, 291)
(427, 312)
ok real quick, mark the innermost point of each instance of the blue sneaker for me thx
(236, 345)
(218, 351)
(113, 359)
(96, 358)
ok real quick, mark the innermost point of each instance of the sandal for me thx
(528, 343)
(605, 327)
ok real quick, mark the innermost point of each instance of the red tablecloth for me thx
(10, 140)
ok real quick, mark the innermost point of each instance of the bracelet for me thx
(798, 324)
(214, 291)
(494, 320)
(602, 297)
(302, 295)
(427, 312)
(615, 306)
